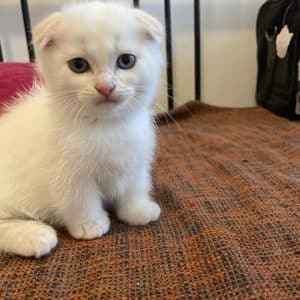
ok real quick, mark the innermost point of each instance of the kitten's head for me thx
(100, 60)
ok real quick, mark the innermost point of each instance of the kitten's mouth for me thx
(106, 101)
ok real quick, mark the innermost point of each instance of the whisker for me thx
(171, 117)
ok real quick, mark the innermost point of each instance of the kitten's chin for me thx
(105, 109)
(111, 104)
(100, 108)
(107, 102)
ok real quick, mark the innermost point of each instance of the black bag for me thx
(278, 79)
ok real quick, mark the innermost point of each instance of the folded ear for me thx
(44, 32)
(152, 28)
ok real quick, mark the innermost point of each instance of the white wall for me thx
(229, 51)
(228, 45)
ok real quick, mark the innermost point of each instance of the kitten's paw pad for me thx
(37, 242)
(141, 214)
(91, 229)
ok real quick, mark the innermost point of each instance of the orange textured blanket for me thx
(228, 181)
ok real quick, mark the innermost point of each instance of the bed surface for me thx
(228, 181)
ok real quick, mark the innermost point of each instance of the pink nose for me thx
(105, 90)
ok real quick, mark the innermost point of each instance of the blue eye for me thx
(126, 61)
(79, 65)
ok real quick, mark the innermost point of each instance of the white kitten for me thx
(85, 136)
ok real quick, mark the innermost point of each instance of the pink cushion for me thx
(15, 78)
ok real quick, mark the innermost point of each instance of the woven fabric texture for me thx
(228, 181)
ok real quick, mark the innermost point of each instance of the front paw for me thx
(91, 229)
(37, 242)
(139, 213)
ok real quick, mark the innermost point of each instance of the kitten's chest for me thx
(109, 154)
(117, 153)
(113, 155)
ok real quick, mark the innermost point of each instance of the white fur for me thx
(62, 154)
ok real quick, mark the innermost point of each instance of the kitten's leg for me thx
(83, 214)
(26, 237)
(136, 207)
